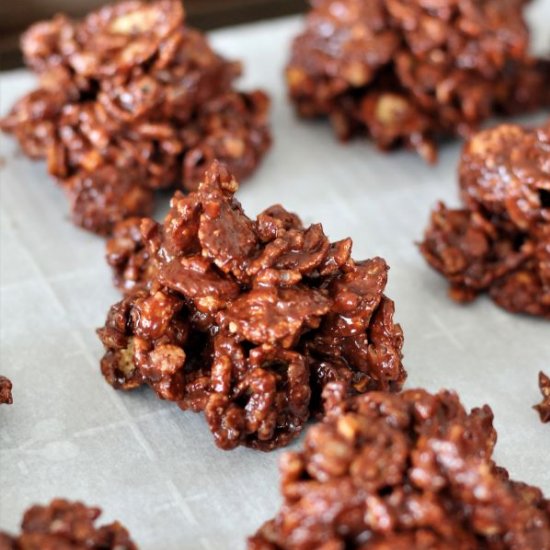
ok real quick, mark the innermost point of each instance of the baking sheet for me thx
(143, 460)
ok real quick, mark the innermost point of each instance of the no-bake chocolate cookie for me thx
(500, 242)
(63, 525)
(132, 100)
(246, 320)
(407, 72)
(402, 471)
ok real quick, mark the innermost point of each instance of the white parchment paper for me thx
(156, 468)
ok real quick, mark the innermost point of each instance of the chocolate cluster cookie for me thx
(246, 320)
(402, 471)
(132, 100)
(63, 525)
(500, 242)
(5, 391)
(407, 72)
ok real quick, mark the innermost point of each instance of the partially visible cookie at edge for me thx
(61, 525)
(543, 408)
(6, 397)
(499, 242)
(411, 470)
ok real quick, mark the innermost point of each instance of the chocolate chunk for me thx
(246, 320)
(400, 471)
(408, 72)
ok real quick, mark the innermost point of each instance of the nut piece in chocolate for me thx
(246, 320)
(132, 100)
(5, 391)
(402, 471)
(409, 72)
(543, 408)
(500, 241)
(64, 525)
